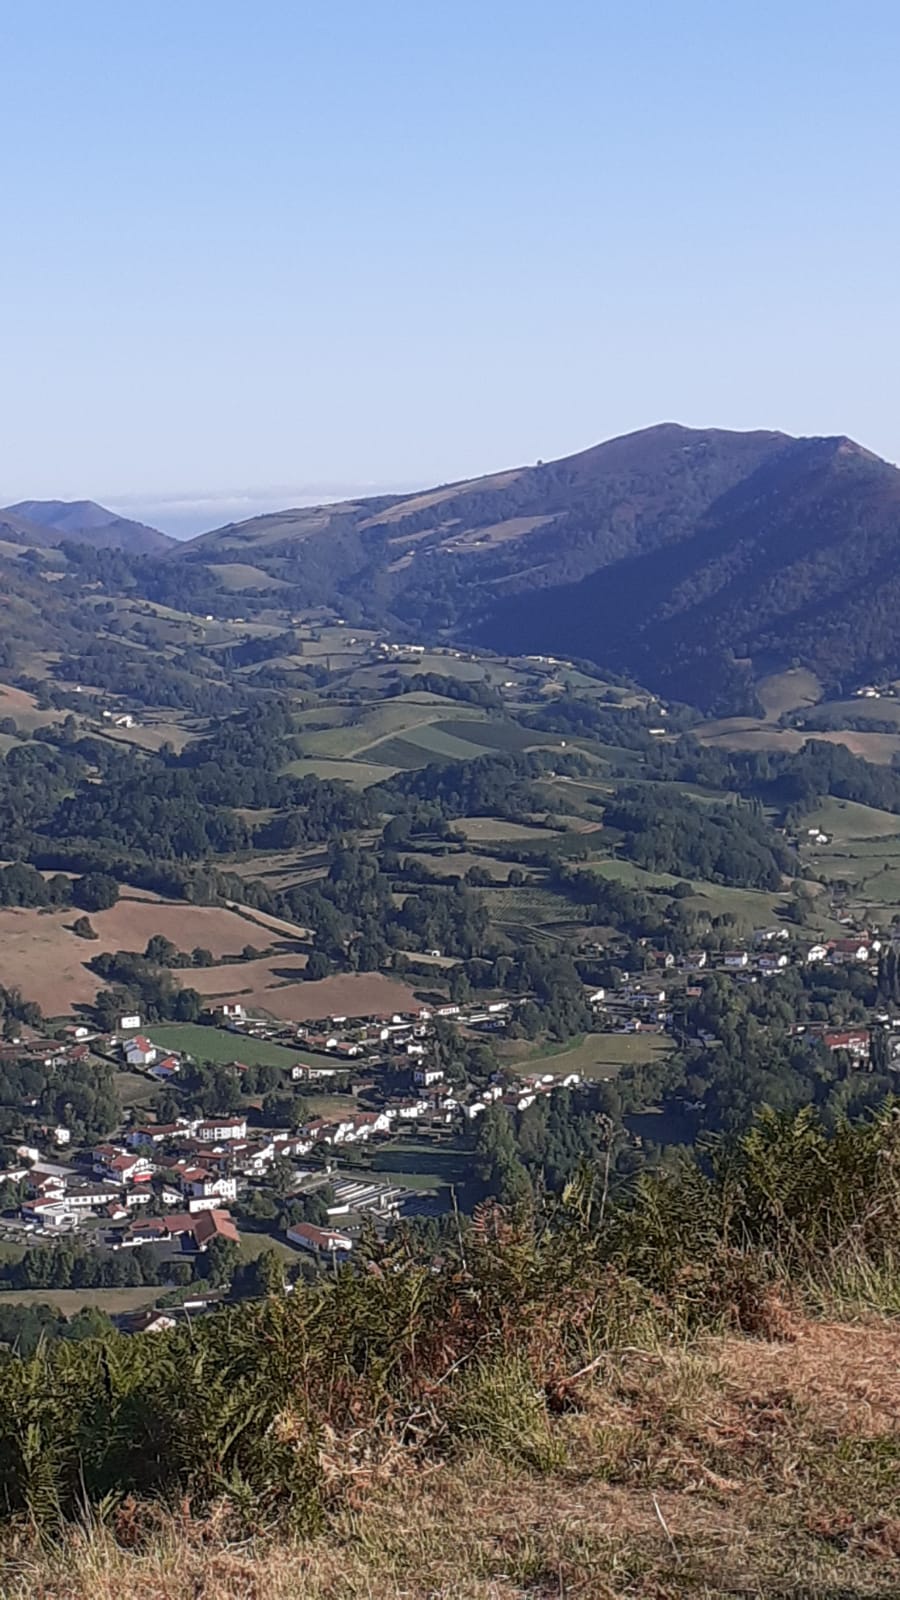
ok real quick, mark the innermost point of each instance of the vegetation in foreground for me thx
(644, 1395)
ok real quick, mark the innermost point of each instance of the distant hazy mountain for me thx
(695, 559)
(50, 522)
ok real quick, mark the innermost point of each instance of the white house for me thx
(816, 952)
(219, 1129)
(736, 959)
(211, 1188)
(321, 1241)
(427, 1074)
(409, 1110)
(139, 1052)
(233, 1012)
(773, 963)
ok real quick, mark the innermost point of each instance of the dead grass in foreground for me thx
(736, 1467)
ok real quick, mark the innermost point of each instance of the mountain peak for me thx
(86, 522)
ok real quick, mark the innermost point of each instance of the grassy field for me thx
(594, 1055)
(489, 830)
(845, 820)
(751, 733)
(788, 691)
(457, 864)
(217, 1044)
(362, 774)
(836, 713)
(425, 1165)
(134, 1091)
(113, 1301)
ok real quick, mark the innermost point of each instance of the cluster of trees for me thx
(24, 1328)
(741, 1049)
(68, 1266)
(149, 679)
(82, 1096)
(471, 691)
(187, 807)
(518, 1154)
(666, 832)
(143, 985)
(794, 783)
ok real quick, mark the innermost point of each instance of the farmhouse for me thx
(139, 1052)
(854, 1040)
(321, 1241)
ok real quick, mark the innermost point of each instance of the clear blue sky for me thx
(259, 251)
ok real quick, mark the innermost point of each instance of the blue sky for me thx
(258, 254)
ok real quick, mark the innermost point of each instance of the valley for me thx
(250, 822)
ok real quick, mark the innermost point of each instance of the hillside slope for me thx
(697, 560)
(51, 522)
(729, 1467)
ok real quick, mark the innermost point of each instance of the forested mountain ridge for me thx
(696, 560)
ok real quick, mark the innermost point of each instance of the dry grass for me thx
(43, 958)
(736, 1467)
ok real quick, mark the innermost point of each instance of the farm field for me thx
(748, 733)
(488, 830)
(846, 820)
(352, 994)
(362, 774)
(528, 907)
(115, 1302)
(48, 963)
(788, 691)
(217, 1044)
(594, 1055)
(248, 981)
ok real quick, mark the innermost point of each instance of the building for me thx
(149, 1322)
(320, 1241)
(854, 1040)
(219, 1129)
(139, 1052)
(843, 951)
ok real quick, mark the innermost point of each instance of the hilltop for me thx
(52, 522)
(697, 560)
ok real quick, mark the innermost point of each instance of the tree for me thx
(161, 951)
(317, 966)
(218, 1262)
(83, 929)
(269, 1273)
(96, 891)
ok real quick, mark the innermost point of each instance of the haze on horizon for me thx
(259, 257)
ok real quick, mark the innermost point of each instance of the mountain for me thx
(51, 522)
(696, 559)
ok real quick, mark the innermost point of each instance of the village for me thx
(181, 1184)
